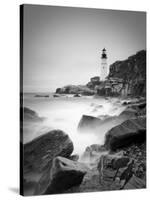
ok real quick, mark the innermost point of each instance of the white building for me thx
(104, 70)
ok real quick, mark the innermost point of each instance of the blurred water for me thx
(65, 113)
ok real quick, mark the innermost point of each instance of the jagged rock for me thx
(30, 115)
(109, 166)
(135, 183)
(65, 174)
(39, 153)
(132, 130)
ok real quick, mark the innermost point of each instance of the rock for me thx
(77, 95)
(56, 95)
(75, 89)
(65, 174)
(92, 154)
(120, 162)
(109, 166)
(74, 157)
(39, 153)
(30, 115)
(130, 131)
(129, 112)
(97, 148)
(88, 123)
(135, 183)
(39, 95)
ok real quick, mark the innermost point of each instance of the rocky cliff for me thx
(132, 71)
(126, 78)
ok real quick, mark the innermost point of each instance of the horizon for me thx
(62, 45)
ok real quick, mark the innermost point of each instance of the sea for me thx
(65, 113)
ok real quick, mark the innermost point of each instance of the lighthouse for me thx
(103, 72)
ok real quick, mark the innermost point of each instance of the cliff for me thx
(132, 71)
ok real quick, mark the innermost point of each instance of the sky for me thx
(63, 45)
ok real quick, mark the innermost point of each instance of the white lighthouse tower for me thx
(103, 72)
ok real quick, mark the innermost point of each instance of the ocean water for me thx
(65, 113)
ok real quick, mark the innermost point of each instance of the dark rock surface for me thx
(88, 123)
(39, 152)
(128, 132)
(30, 115)
(135, 183)
(65, 174)
(126, 78)
(133, 73)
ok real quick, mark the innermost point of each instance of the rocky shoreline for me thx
(51, 168)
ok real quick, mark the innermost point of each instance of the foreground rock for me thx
(135, 183)
(109, 172)
(39, 153)
(38, 157)
(130, 131)
(65, 174)
(30, 115)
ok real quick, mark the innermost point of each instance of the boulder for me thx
(88, 123)
(65, 174)
(39, 153)
(129, 112)
(30, 115)
(130, 131)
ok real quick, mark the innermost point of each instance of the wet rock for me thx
(30, 115)
(130, 131)
(88, 123)
(129, 112)
(109, 166)
(65, 174)
(39, 153)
